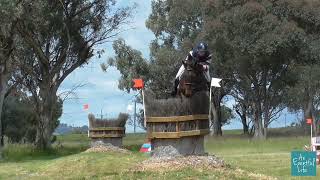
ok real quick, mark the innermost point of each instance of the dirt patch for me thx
(107, 148)
(201, 163)
(180, 162)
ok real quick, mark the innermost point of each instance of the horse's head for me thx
(192, 65)
(192, 79)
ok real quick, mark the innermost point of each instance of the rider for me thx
(202, 56)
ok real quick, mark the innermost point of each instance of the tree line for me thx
(266, 52)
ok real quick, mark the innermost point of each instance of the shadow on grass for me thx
(27, 152)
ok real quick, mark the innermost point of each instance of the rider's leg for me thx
(207, 76)
(176, 81)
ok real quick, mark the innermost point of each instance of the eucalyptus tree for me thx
(304, 96)
(61, 36)
(10, 12)
(262, 47)
(129, 62)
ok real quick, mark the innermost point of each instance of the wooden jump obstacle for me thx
(107, 132)
(177, 126)
(185, 133)
(107, 135)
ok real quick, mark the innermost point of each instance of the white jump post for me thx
(214, 83)
(210, 107)
(144, 109)
(139, 84)
(311, 130)
(310, 121)
(86, 109)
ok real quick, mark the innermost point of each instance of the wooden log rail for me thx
(199, 125)
(106, 132)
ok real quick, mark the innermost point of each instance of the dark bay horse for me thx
(192, 80)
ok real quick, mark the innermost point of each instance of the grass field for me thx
(248, 159)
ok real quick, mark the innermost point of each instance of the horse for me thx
(192, 80)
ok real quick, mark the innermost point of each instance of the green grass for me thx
(270, 157)
(66, 160)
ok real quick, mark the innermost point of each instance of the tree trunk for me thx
(265, 132)
(45, 124)
(243, 115)
(245, 126)
(43, 133)
(3, 87)
(266, 121)
(308, 112)
(252, 130)
(314, 125)
(216, 113)
(259, 128)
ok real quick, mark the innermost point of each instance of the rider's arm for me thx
(190, 56)
(207, 60)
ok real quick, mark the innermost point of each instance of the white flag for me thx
(215, 82)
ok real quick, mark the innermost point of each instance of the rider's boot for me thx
(175, 87)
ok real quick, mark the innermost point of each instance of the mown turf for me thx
(269, 157)
(248, 159)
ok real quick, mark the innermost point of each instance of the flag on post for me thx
(309, 121)
(138, 83)
(215, 82)
(86, 107)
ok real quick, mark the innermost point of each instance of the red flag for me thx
(86, 106)
(138, 83)
(309, 121)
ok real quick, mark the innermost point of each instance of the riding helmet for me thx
(202, 47)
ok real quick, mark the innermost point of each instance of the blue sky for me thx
(101, 88)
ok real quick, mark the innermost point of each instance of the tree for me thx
(261, 48)
(129, 62)
(175, 25)
(59, 37)
(131, 65)
(19, 120)
(226, 115)
(164, 62)
(243, 100)
(305, 95)
(10, 13)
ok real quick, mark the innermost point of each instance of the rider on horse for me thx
(202, 56)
